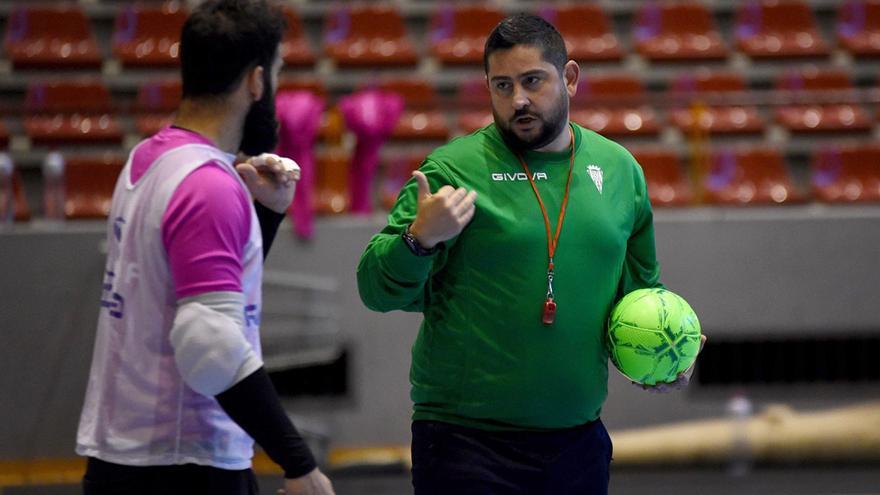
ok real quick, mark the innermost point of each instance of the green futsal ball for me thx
(653, 336)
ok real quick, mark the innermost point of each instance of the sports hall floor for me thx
(770, 480)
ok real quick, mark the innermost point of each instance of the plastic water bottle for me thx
(7, 191)
(53, 186)
(739, 410)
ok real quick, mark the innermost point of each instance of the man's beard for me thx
(551, 125)
(260, 132)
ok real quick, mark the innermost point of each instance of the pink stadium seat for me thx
(368, 35)
(586, 31)
(677, 31)
(295, 48)
(50, 37)
(818, 113)
(614, 105)
(457, 34)
(155, 105)
(749, 177)
(149, 35)
(667, 183)
(89, 183)
(66, 112)
(396, 172)
(858, 27)
(421, 118)
(700, 104)
(846, 174)
(778, 29)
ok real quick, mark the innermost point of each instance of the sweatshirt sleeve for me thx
(640, 267)
(389, 275)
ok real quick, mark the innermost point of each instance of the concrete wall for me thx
(801, 270)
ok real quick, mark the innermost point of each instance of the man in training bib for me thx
(177, 392)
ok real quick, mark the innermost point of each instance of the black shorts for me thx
(105, 478)
(451, 459)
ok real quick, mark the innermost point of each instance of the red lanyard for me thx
(549, 314)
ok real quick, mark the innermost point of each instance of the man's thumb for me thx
(424, 188)
(247, 172)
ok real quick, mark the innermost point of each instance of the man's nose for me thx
(520, 98)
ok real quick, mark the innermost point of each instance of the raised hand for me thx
(271, 179)
(441, 215)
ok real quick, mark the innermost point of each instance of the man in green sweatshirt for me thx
(515, 242)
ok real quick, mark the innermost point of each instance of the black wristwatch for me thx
(413, 244)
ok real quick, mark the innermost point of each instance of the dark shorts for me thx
(451, 459)
(105, 478)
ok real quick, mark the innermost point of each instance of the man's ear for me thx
(571, 73)
(255, 83)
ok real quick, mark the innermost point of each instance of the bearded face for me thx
(260, 133)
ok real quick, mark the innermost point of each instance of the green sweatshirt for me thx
(483, 358)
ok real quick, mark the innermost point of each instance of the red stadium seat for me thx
(614, 105)
(368, 35)
(679, 31)
(51, 37)
(778, 29)
(421, 118)
(667, 183)
(858, 27)
(22, 209)
(474, 105)
(458, 34)
(703, 107)
(4, 136)
(295, 48)
(149, 35)
(155, 105)
(89, 184)
(821, 115)
(586, 31)
(749, 177)
(65, 112)
(846, 174)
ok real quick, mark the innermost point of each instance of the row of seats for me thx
(727, 177)
(367, 35)
(804, 101)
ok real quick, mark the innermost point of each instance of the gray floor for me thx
(786, 480)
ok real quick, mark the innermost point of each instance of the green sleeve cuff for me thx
(403, 265)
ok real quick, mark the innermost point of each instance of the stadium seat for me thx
(148, 35)
(50, 37)
(155, 105)
(70, 111)
(749, 176)
(846, 174)
(367, 36)
(396, 171)
(331, 188)
(778, 29)
(295, 48)
(858, 27)
(22, 209)
(474, 105)
(677, 31)
(667, 183)
(713, 102)
(457, 35)
(614, 105)
(586, 31)
(828, 98)
(88, 185)
(421, 118)
(4, 135)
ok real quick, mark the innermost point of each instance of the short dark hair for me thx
(531, 30)
(222, 39)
